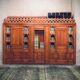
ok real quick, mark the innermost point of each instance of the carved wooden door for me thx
(39, 45)
(61, 44)
(16, 44)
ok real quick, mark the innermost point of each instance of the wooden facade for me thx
(39, 40)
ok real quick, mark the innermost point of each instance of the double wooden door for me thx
(20, 47)
(58, 53)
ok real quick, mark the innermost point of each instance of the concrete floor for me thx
(39, 72)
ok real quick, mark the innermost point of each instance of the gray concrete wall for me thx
(38, 8)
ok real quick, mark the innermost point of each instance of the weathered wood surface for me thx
(39, 73)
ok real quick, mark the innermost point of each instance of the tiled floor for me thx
(40, 72)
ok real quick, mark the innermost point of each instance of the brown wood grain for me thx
(17, 54)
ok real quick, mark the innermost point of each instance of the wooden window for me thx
(26, 32)
(8, 41)
(39, 39)
(52, 37)
(70, 37)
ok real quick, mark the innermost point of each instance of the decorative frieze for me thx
(37, 20)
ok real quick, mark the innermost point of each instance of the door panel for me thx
(61, 42)
(39, 49)
(61, 36)
(16, 36)
(39, 56)
(58, 54)
(16, 43)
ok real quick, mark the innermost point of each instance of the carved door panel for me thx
(61, 44)
(16, 44)
(39, 56)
